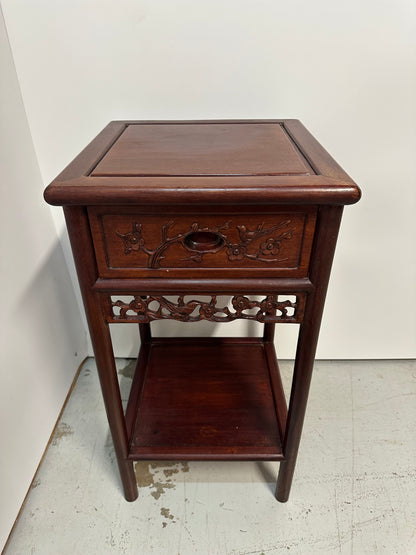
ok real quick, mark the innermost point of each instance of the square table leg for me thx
(325, 241)
(78, 228)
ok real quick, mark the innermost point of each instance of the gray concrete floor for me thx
(354, 489)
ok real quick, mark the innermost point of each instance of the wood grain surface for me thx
(213, 400)
(219, 161)
(131, 243)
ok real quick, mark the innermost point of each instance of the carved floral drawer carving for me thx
(129, 243)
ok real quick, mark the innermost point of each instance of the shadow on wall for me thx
(51, 320)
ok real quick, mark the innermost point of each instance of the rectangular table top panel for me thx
(203, 149)
(203, 162)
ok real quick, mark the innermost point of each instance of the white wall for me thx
(346, 69)
(42, 340)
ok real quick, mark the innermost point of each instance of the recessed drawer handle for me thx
(203, 241)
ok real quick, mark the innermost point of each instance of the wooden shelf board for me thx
(205, 399)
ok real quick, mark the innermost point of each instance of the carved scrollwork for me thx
(272, 308)
(267, 251)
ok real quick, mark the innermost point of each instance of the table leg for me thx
(145, 333)
(297, 408)
(328, 223)
(83, 251)
(268, 333)
(107, 372)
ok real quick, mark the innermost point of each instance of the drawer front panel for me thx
(130, 243)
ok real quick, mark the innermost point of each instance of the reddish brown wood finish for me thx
(327, 184)
(193, 150)
(212, 401)
(79, 233)
(184, 308)
(130, 242)
(255, 208)
(324, 249)
(202, 285)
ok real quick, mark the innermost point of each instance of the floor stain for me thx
(163, 464)
(158, 475)
(166, 513)
(35, 483)
(128, 370)
(144, 477)
(62, 430)
(160, 488)
(168, 472)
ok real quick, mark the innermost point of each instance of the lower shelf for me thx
(206, 399)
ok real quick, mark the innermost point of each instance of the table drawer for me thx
(131, 242)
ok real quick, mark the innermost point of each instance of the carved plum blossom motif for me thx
(208, 310)
(266, 252)
(270, 247)
(133, 241)
(147, 308)
(240, 303)
(139, 305)
(236, 252)
(268, 305)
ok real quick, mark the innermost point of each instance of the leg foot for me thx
(128, 479)
(284, 481)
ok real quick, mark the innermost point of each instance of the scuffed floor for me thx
(354, 489)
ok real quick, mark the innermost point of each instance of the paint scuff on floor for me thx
(62, 430)
(158, 475)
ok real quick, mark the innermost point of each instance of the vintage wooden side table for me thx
(167, 217)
